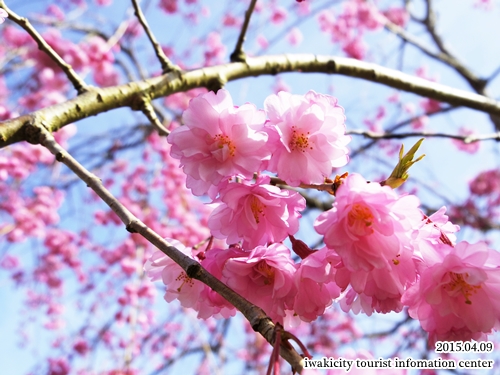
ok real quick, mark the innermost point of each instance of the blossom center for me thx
(360, 218)
(224, 141)
(185, 279)
(267, 271)
(458, 285)
(257, 208)
(299, 140)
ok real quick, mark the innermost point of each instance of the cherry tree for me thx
(221, 187)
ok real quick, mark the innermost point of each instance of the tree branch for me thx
(75, 79)
(475, 82)
(166, 64)
(104, 99)
(464, 138)
(144, 104)
(259, 321)
(238, 54)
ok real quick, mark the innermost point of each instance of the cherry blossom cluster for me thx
(221, 148)
(381, 251)
(50, 85)
(356, 18)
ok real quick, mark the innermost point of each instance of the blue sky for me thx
(467, 30)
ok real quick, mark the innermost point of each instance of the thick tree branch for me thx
(166, 64)
(75, 79)
(104, 99)
(259, 321)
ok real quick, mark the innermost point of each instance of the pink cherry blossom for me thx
(379, 289)
(98, 51)
(16, 38)
(303, 8)
(9, 262)
(231, 21)
(216, 50)
(213, 303)
(219, 140)
(70, 52)
(279, 85)
(169, 6)
(366, 14)
(180, 100)
(470, 148)
(3, 15)
(81, 346)
(315, 282)
(456, 295)
(295, 36)
(312, 136)
(106, 75)
(437, 229)
(355, 48)
(420, 122)
(104, 2)
(191, 293)
(179, 285)
(278, 15)
(58, 366)
(54, 11)
(369, 225)
(257, 214)
(264, 276)
(397, 15)
(262, 41)
(430, 105)
(486, 183)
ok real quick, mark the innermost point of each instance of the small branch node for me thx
(194, 271)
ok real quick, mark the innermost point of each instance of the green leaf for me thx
(399, 175)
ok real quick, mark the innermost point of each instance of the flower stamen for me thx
(459, 285)
(257, 208)
(299, 141)
(185, 280)
(267, 271)
(223, 140)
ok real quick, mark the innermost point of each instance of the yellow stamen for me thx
(225, 141)
(257, 208)
(458, 284)
(185, 280)
(299, 141)
(360, 212)
(265, 270)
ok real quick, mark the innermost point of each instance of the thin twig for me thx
(75, 79)
(147, 108)
(464, 138)
(320, 187)
(449, 60)
(238, 54)
(444, 55)
(166, 65)
(398, 126)
(259, 321)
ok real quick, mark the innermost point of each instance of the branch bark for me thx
(104, 99)
(166, 64)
